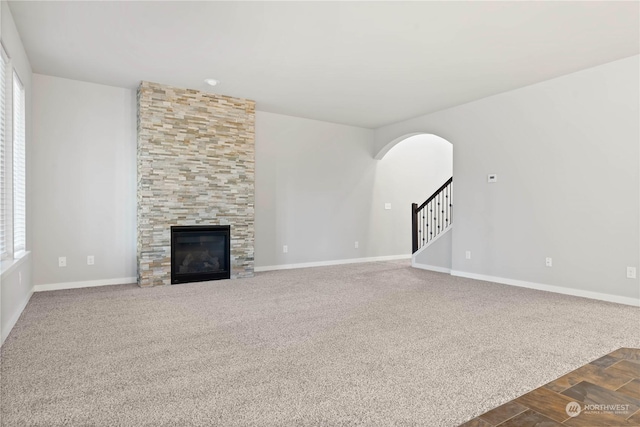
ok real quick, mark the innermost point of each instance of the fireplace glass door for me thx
(200, 253)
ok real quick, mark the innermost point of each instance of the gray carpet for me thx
(376, 344)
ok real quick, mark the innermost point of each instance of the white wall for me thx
(15, 282)
(566, 153)
(313, 190)
(84, 181)
(319, 190)
(17, 289)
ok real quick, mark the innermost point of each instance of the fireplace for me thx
(200, 253)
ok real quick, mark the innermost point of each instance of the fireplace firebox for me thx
(200, 253)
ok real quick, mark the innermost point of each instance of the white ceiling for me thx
(359, 63)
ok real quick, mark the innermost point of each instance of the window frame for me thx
(18, 164)
(6, 251)
(12, 141)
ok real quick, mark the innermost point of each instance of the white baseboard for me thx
(6, 329)
(550, 288)
(332, 262)
(430, 267)
(84, 284)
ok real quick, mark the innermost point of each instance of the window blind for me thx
(19, 167)
(4, 252)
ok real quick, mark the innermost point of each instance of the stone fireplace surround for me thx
(195, 164)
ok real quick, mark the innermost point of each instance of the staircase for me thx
(432, 217)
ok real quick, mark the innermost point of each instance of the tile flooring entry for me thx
(603, 393)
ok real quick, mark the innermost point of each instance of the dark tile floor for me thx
(607, 391)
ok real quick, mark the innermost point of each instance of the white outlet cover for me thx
(62, 261)
(285, 249)
(387, 206)
(548, 262)
(631, 273)
(356, 245)
(492, 177)
(467, 254)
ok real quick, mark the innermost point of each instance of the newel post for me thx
(414, 227)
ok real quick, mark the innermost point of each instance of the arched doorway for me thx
(417, 169)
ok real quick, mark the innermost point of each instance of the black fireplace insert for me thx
(200, 253)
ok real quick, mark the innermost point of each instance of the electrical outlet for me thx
(467, 254)
(90, 260)
(356, 245)
(631, 273)
(387, 206)
(548, 262)
(492, 177)
(62, 261)
(285, 249)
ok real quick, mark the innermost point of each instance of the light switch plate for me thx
(492, 177)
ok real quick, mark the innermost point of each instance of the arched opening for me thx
(395, 142)
(414, 170)
(423, 159)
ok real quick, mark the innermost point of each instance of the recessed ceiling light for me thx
(211, 82)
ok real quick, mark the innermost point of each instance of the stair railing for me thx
(433, 216)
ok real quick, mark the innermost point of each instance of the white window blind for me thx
(4, 251)
(19, 167)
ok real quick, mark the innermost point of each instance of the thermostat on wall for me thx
(492, 177)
